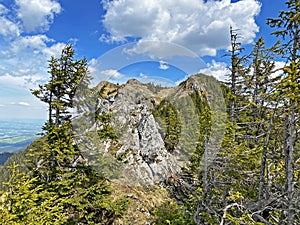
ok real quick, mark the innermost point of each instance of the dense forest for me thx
(253, 178)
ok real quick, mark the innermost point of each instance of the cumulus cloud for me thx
(35, 42)
(25, 51)
(36, 14)
(28, 56)
(163, 65)
(219, 70)
(155, 49)
(8, 29)
(23, 55)
(202, 26)
(36, 45)
(114, 74)
(100, 72)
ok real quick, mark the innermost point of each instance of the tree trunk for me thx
(264, 160)
(290, 164)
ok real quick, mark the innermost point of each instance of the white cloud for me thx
(25, 82)
(3, 10)
(23, 103)
(92, 66)
(37, 45)
(195, 24)
(101, 72)
(23, 57)
(53, 50)
(278, 68)
(164, 82)
(219, 70)
(37, 14)
(28, 56)
(35, 42)
(163, 65)
(144, 76)
(8, 28)
(156, 49)
(113, 74)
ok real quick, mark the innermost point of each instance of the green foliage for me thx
(5, 171)
(169, 120)
(155, 88)
(204, 124)
(105, 130)
(23, 202)
(66, 74)
(170, 213)
(68, 201)
(289, 85)
(59, 166)
(259, 148)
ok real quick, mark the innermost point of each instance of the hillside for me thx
(4, 156)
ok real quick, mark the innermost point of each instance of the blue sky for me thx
(153, 40)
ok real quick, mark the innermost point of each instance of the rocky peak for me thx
(130, 132)
(133, 82)
(192, 83)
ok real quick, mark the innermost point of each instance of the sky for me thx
(162, 41)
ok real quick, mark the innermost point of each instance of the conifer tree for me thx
(66, 74)
(24, 202)
(259, 86)
(288, 30)
(56, 160)
(237, 72)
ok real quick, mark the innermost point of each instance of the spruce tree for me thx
(288, 30)
(57, 161)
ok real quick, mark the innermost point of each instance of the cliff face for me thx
(147, 157)
(140, 133)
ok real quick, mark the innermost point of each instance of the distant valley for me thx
(15, 144)
(4, 157)
(17, 134)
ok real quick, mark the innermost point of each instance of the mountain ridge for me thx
(133, 129)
